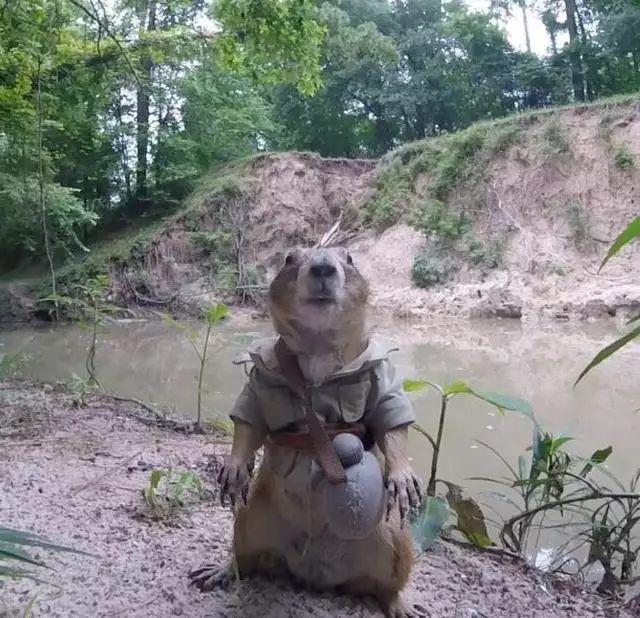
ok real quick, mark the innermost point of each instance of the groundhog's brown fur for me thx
(323, 322)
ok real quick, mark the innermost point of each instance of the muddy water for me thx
(538, 363)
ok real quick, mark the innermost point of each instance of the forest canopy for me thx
(112, 109)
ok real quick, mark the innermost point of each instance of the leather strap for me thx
(322, 445)
(301, 440)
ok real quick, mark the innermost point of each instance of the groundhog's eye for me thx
(349, 259)
(289, 259)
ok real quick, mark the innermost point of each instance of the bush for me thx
(624, 158)
(431, 269)
(434, 218)
(484, 255)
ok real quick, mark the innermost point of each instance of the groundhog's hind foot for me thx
(211, 576)
(395, 608)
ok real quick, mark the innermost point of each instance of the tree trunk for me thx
(147, 17)
(588, 74)
(525, 23)
(574, 54)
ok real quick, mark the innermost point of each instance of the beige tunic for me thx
(367, 390)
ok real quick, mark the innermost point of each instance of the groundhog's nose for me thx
(323, 270)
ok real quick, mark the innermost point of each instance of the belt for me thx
(301, 440)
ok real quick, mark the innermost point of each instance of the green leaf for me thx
(558, 442)
(631, 232)
(18, 537)
(432, 516)
(413, 386)
(154, 479)
(598, 457)
(505, 403)
(471, 522)
(457, 388)
(608, 351)
(11, 552)
(216, 314)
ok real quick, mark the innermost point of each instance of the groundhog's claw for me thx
(404, 489)
(211, 576)
(397, 609)
(234, 482)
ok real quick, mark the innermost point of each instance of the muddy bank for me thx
(542, 210)
(74, 472)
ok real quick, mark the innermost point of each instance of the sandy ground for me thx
(75, 474)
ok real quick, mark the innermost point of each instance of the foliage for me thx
(572, 493)
(434, 218)
(484, 255)
(214, 316)
(575, 491)
(272, 40)
(168, 491)
(578, 222)
(624, 158)
(628, 235)
(15, 558)
(433, 515)
(12, 364)
(431, 268)
(555, 140)
(87, 305)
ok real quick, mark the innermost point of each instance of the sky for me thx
(539, 39)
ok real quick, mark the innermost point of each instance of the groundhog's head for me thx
(318, 290)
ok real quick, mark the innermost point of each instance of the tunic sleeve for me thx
(247, 407)
(388, 406)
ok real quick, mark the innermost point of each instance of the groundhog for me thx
(318, 303)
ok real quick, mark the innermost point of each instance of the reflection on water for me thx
(154, 363)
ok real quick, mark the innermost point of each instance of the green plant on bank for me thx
(17, 561)
(484, 255)
(600, 520)
(447, 161)
(628, 235)
(432, 267)
(88, 307)
(434, 218)
(214, 316)
(168, 491)
(624, 158)
(552, 484)
(578, 222)
(434, 511)
(11, 365)
(555, 139)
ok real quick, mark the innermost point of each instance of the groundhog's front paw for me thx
(403, 489)
(211, 576)
(234, 482)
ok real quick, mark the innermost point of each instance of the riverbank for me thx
(74, 471)
(510, 219)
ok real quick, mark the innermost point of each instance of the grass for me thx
(623, 158)
(555, 141)
(578, 222)
(447, 161)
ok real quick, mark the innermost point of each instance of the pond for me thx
(539, 363)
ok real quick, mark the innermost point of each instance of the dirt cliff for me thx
(504, 219)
